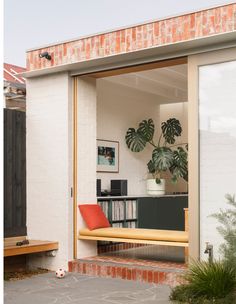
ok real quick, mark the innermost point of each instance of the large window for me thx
(217, 123)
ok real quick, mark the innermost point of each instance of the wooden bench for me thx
(34, 246)
(140, 236)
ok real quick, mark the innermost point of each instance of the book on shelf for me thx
(118, 210)
(131, 207)
(121, 210)
(117, 225)
(131, 224)
(104, 206)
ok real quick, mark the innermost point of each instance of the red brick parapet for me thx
(187, 27)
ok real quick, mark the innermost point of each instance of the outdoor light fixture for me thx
(46, 55)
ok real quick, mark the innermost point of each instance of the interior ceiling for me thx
(169, 84)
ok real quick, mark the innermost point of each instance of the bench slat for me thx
(137, 241)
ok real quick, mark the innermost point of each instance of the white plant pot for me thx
(155, 189)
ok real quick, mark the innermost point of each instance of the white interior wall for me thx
(49, 205)
(119, 108)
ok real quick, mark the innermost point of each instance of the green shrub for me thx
(214, 282)
(205, 283)
(227, 219)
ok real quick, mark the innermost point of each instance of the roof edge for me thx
(127, 27)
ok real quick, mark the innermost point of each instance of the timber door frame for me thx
(194, 62)
(111, 72)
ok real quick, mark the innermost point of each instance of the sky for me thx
(30, 23)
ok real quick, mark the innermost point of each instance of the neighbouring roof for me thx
(14, 89)
(10, 72)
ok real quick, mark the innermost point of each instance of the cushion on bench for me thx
(137, 233)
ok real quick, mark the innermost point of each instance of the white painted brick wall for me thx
(49, 126)
(86, 155)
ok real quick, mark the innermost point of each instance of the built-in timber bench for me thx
(34, 246)
(136, 235)
(139, 235)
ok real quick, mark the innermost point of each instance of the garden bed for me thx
(20, 275)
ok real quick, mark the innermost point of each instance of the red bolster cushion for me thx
(93, 216)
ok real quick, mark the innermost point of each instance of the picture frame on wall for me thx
(107, 156)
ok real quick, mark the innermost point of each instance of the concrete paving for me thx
(81, 289)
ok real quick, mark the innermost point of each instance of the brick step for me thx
(168, 273)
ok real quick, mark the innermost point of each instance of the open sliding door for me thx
(212, 144)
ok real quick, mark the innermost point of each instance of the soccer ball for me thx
(60, 273)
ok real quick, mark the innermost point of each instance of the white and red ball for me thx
(60, 273)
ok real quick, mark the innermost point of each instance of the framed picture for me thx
(107, 156)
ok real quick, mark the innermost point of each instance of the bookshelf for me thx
(162, 212)
(121, 212)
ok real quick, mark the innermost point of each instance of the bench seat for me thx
(34, 246)
(136, 235)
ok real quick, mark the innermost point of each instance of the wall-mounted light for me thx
(45, 55)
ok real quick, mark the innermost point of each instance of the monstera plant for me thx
(166, 154)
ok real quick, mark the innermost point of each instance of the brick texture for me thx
(48, 175)
(156, 272)
(177, 29)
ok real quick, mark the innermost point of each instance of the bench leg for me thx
(186, 255)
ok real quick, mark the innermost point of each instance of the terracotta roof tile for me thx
(10, 72)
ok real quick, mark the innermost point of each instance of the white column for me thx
(86, 159)
(49, 127)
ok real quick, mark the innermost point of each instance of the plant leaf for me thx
(135, 141)
(171, 129)
(151, 167)
(146, 129)
(162, 158)
(179, 167)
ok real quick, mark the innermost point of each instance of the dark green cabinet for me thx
(162, 212)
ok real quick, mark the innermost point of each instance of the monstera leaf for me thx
(151, 167)
(162, 158)
(146, 129)
(171, 129)
(134, 140)
(180, 164)
(152, 170)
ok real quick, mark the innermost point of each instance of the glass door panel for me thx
(217, 143)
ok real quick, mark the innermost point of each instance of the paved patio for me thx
(76, 288)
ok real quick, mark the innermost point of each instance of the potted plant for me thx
(166, 154)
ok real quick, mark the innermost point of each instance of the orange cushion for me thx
(93, 216)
